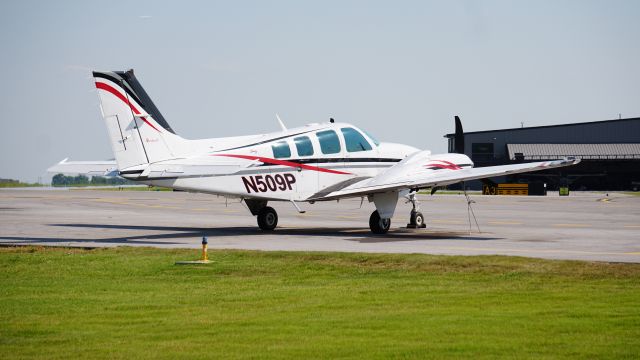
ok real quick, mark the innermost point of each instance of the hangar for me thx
(609, 149)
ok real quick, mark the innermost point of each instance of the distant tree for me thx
(59, 180)
(81, 180)
(62, 180)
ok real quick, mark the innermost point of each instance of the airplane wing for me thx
(93, 168)
(411, 173)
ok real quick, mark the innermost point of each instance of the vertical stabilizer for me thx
(138, 132)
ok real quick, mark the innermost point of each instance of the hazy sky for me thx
(400, 69)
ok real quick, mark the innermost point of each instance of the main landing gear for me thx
(267, 216)
(380, 225)
(377, 224)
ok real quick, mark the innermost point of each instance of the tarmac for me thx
(582, 226)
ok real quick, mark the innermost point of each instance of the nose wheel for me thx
(416, 219)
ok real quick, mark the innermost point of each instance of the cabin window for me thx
(354, 140)
(329, 142)
(281, 150)
(303, 145)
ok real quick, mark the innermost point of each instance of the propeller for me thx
(459, 137)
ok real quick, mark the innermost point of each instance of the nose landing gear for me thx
(416, 219)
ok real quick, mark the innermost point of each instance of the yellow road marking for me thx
(160, 206)
(572, 225)
(632, 226)
(447, 221)
(112, 201)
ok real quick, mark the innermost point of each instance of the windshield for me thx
(375, 141)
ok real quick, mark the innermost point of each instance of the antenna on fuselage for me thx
(284, 128)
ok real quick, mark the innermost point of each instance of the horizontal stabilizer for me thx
(91, 168)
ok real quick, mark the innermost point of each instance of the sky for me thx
(399, 69)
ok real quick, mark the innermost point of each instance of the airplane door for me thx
(330, 158)
(306, 178)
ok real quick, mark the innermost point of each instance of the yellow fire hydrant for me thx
(204, 249)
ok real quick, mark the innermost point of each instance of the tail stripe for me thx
(115, 92)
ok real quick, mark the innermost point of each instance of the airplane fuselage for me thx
(292, 165)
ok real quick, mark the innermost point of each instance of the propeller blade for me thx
(459, 137)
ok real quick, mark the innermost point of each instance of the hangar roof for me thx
(582, 151)
(549, 126)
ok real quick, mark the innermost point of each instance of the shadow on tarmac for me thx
(361, 235)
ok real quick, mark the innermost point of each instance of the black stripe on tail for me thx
(127, 80)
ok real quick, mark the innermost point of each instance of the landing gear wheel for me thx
(267, 218)
(377, 224)
(416, 220)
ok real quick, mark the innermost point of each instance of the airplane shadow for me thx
(358, 234)
(352, 233)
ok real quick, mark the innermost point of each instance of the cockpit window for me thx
(329, 142)
(354, 140)
(281, 150)
(375, 141)
(303, 145)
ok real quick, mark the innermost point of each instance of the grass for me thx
(135, 303)
(19, 184)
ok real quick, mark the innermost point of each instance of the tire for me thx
(377, 224)
(419, 220)
(267, 218)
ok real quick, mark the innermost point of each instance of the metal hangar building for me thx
(609, 149)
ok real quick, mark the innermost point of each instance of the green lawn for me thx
(135, 303)
(19, 185)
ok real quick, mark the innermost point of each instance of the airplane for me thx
(315, 162)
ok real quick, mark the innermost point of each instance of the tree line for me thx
(82, 180)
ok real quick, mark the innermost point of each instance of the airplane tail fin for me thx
(138, 132)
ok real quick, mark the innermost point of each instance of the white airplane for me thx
(315, 162)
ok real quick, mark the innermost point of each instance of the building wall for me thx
(614, 131)
(602, 175)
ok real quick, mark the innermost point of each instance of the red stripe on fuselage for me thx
(283, 163)
(115, 92)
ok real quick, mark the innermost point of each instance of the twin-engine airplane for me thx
(315, 162)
